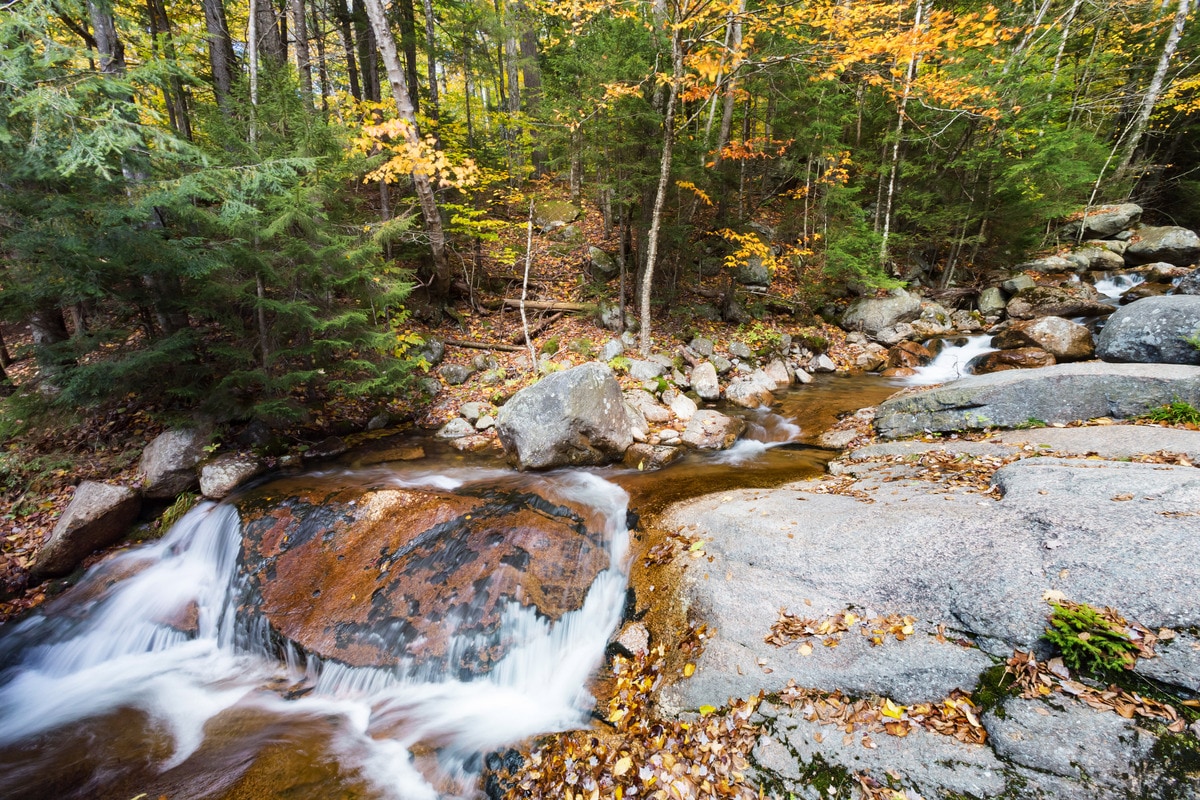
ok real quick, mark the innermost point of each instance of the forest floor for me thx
(46, 451)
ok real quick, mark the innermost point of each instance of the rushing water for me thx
(105, 693)
(952, 360)
(1114, 284)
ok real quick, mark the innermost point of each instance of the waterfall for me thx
(157, 629)
(951, 361)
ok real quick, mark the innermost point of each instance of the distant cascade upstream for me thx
(951, 362)
(160, 634)
(1114, 284)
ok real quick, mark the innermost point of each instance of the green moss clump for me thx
(1089, 642)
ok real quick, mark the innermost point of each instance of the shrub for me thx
(1091, 641)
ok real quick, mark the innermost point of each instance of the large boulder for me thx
(1096, 259)
(1057, 301)
(603, 265)
(1049, 264)
(97, 516)
(1062, 338)
(169, 463)
(1153, 330)
(576, 417)
(393, 577)
(1061, 393)
(753, 273)
(873, 314)
(991, 301)
(551, 214)
(1103, 222)
(704, 381)
(1171, 244)
(942, 559)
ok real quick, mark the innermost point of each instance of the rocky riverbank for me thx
(892, 616)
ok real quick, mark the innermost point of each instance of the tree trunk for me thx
(318, 34)
(341, 15)
(440, 285)
(1154, 91)
(176, 95)
(368, 64)
(408, 43)
(300, 40)
(660, 194)
(270, 44)
(49, 329)
(909, 76)
(431, 59)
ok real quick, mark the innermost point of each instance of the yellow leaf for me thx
(704, 712)
(892, 710)
(622, 766)
(689, 670)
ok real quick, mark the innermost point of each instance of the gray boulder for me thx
(701, 346)
(1103, 222)
(226, 472)
(455, 374)
(1061, 393)
(872, 314)
(753, 273)
(991, 302)
(683, 407)
(96, 517)
(1189, 284)
(169, 463)
(704, 381)
(456, 428)
(472, 411)
(1057, 301)
(651, 456)
(433, 351)
(740, 350)
(650, 409)
(551, 214)
(751, 392)
(712, 430)
(1061, 338)
(575, 417)
(604, 266)
(1174, 245)
(1153, 330)
(1096, 259)
(1017, 283)
(645, 370)
(1049, 264)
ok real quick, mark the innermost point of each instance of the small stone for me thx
(493, 377)
(455, 374)
(740, 350)
(635, 638)
(226, 472)
(472, 411)
(683, 407)
(456, 429)
(721, 364)
(712, 430)
(485, 423)
(651, 456)
(704, 381)
(612, 348)
(379, 421)
(823, 363)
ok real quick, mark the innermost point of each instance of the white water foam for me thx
(764, 430)
(1114, 284)
(951, 362)
(117, 651)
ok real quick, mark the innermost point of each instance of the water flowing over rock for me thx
(1171, 244)
(1061, 393)
(575, 417)
(1063, 339)
(391, 577)
(1153, 330)
(97, 516)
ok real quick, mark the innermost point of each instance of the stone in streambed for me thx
(576, 417)
(385, 577)
(169, 463)
(97, 516)
(712, 430)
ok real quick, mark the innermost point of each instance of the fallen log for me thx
(542, 305)
(507, 348)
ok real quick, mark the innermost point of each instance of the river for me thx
(105, 694)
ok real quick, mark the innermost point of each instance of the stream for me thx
(151, 677)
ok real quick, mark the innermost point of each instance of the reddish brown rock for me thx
(908, 355)
(1020, 358)
(385, 576)
(1062, 338)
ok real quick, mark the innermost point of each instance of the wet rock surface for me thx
(386, 577)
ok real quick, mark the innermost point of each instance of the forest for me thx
(230, 207)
